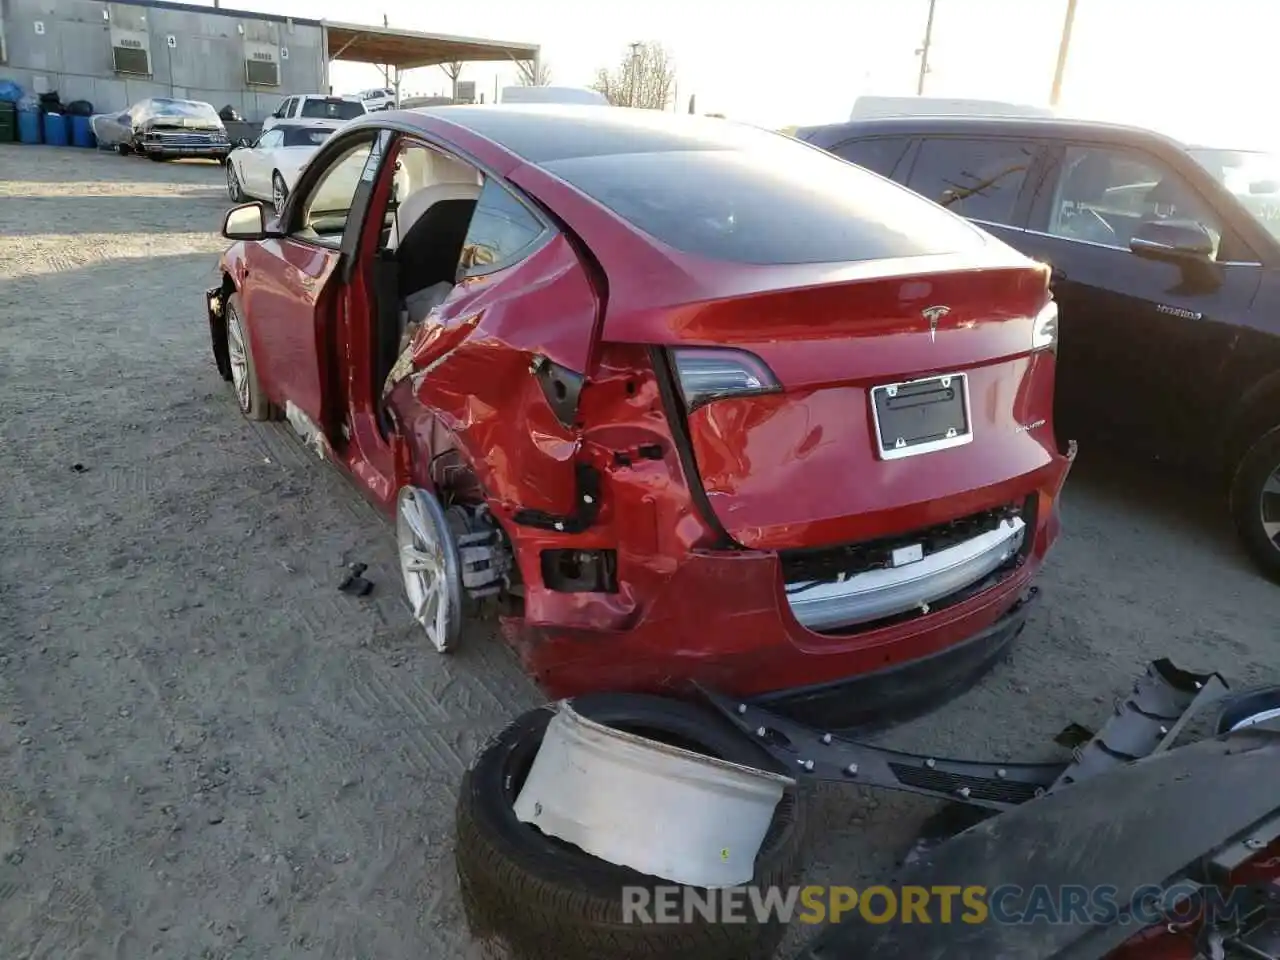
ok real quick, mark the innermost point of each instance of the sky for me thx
(1192, 68)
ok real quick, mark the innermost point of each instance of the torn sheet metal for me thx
(638, 803)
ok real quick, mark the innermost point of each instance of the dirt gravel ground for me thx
(207, 751)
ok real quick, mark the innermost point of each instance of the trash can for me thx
(29, 126)
(8, 122)
(55, 129)
(82, 132)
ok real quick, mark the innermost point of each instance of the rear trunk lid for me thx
(844, 411)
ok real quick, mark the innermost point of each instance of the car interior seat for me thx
(428, 250)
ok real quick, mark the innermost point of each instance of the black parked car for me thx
(1166, 266)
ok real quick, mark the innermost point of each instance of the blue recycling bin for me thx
(82, 133)
(55, 129)
(28, 126)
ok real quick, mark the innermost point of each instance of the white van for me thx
(579, 95)
(866, 107)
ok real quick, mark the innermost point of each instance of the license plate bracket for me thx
(921, 416)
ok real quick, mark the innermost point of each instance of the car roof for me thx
(987, 126)
(321, 96)
(543, 133)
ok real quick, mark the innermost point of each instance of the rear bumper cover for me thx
(722, 620)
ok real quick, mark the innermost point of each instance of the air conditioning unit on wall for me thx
(131, 52)
(261, 64)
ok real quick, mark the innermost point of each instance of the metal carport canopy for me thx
(407, 49)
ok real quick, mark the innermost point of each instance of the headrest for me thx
(419, 202)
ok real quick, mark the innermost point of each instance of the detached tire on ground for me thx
(1255, 503)
(531, 897)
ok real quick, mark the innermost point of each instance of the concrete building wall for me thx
(72, 54)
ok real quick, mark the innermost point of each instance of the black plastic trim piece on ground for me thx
(824, 756)
(1146, 722)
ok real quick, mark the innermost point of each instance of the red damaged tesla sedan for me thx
(704, 403)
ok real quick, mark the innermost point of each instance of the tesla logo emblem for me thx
(933, 315)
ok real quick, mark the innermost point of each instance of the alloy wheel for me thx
(233, 182)
(279, 193)
(1269, 507)
(238, 355)
(429, 566)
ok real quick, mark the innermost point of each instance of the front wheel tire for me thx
(1255, 503)
(244, 375)
(234, 190)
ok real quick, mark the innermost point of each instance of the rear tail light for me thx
(710, 373)
(1044, 332)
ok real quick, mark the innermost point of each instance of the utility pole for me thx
(635, 70)
(1063, 47)
(923, 52)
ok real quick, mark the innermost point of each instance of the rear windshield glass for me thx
(774, 204)
(305, 136)
(332, 109)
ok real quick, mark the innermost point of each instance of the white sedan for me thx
(269, 168)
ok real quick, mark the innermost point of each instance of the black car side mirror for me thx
(244, 142)
(1175, 241)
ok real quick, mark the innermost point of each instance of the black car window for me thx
(328, 204)
(879, 154)
(979, 179)
(1102, 195)
(316, 109)
(780, 202)
(503, 230)
(304, 136)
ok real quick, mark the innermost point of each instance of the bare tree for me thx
(644, 78)
(534, 73)
(453, 71)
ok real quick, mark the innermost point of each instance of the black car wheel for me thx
(244, 374)
(123, 149)
(537, 898)
(279, 192)
(235, 192)
(1255, 503)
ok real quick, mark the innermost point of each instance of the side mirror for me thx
(1176, 241)
(245, 222)
(243, 142)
